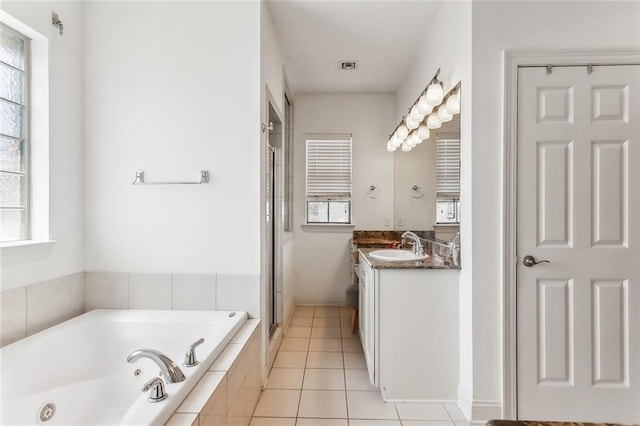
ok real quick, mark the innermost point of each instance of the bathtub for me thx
(80, 366)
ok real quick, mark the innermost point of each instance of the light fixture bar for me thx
(444, 100)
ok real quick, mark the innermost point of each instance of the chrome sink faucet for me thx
(168, 369)
(417, 249)
(454, 248)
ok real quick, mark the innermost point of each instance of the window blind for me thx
(328, 168)
(448, 166)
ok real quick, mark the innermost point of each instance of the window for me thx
(14, 136)
(448, 166)
(329, 179)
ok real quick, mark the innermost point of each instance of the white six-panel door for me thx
(578, 322)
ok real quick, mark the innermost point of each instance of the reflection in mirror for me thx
(434, 167)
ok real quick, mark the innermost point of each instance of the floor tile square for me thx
(296, 344)
(278, 403)
(286, 359)
(347, 334)
(327, 311)
(426, 423)
(325, 332)
(272, 421)
(358, 380)
(325, 360)
(351, 345)
(354, 422)
(325, 345)
(326, 322)
(345, 311)
(298, 332)
(345, 321)
(304, 311)
(322, 422)
(324, 379)
(301, 322)
(323, 404)
(285, 378)
(455, 413)
(354, 360)
(417, 411)
(369, 405)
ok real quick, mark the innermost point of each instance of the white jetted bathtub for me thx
(81, 368)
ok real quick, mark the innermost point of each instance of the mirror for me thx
(417, 207)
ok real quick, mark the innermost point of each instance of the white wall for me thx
(447, 45)
(321, 258)
(171, 90)
(500, 26)
(21, 266)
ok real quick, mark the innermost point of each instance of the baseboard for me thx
(330, 302)
(465, 400)
(419, 401)
(481, 411)
(287, 321)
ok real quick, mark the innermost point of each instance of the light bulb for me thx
(423, 105)
(453, 104)
(390, 146)
(433, 122)
(416, 138)
(395, 140)
(411, 123)
(415, 114)
(411, 140)
(443, 114)
(406, 147)
(435, 94)
(423, 132)
(402, 132)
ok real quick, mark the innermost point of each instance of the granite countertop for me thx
(427, 263)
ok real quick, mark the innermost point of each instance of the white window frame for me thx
(38, 134)
(342, 194)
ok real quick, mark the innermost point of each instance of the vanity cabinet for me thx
(409, 331)
(367, 318)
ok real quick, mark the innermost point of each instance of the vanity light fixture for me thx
(432, 108)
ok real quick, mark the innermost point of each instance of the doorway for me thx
(572, 325)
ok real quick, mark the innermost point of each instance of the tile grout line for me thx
(305, 369)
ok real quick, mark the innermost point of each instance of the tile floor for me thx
(319, 378)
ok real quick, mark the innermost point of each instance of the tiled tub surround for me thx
(28, 310)
(228, 392)
(73, 364)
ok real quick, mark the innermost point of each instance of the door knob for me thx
(530, 261)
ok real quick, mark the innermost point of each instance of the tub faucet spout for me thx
(169, 370)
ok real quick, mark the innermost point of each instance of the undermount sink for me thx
(394, 255)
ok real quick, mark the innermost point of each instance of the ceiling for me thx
(382, 36)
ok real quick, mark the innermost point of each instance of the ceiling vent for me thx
(348, 65)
